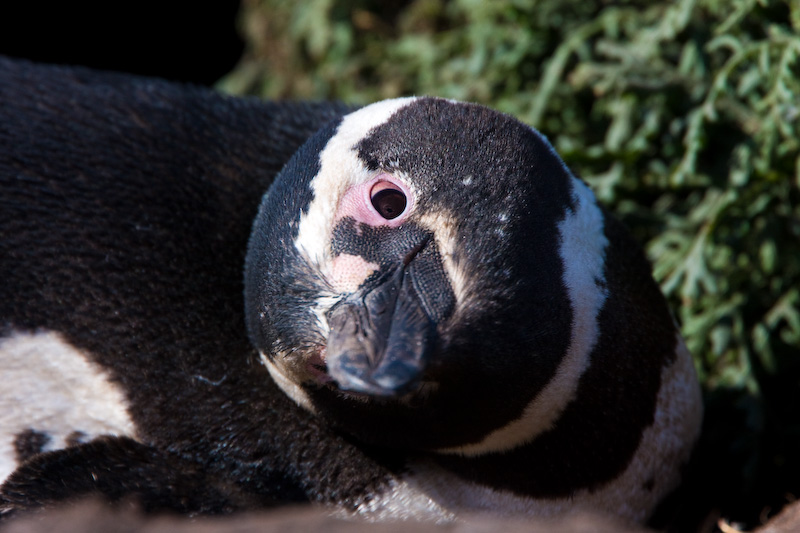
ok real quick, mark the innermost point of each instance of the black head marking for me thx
(381, 245)
(387, 246)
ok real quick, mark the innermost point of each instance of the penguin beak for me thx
(380, 336)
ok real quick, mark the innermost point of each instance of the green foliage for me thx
(683, 116)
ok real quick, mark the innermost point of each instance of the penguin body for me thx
(426, 315)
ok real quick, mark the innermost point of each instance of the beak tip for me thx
(380, 338)
(386, 381)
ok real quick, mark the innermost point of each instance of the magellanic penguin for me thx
(456, 324)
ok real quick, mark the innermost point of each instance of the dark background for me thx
(177, 40)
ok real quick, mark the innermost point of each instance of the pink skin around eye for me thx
(347, 271)
(357, 202)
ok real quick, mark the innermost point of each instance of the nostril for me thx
(388, 200)
(414, 251)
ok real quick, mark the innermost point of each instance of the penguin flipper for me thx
(121, 469)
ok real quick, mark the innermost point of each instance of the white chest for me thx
(51, 388)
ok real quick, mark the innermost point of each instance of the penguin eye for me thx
(388, 200)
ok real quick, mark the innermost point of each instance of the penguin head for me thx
(406, 276)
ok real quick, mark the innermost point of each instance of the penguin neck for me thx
(589, 460)
(595, 435)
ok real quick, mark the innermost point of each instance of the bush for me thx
(683, 116)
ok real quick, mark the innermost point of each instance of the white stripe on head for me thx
(443, 225)
(340, 169)
(582, 251)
